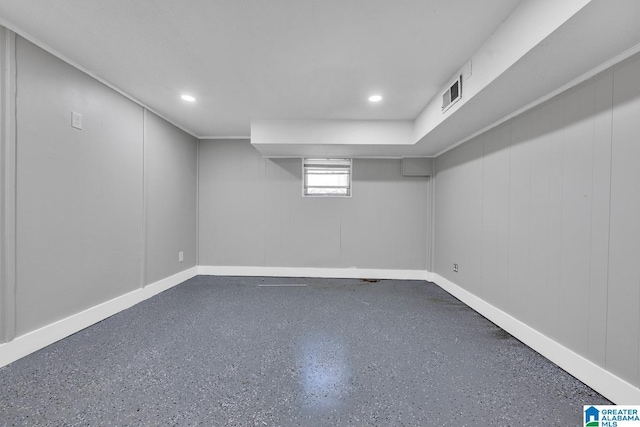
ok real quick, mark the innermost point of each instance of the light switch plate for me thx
(76, 120)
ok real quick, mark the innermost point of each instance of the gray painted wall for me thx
(170, 168)
(81, 225)
(623, 315)
(252, 213)
(542, 214)
(79, 196)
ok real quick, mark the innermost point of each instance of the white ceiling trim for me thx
(356, 158)
(575, 82)
(224, 137)
(25, 35)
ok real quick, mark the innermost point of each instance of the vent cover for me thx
(452, 95)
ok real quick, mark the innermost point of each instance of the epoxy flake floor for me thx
(224, 351)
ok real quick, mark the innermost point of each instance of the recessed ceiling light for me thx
(188, 98)
(375, 98)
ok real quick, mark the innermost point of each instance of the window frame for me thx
(327, 159)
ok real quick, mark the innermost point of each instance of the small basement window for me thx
(326, 177)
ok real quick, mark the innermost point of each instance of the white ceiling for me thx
(542, 49)
(258, 59)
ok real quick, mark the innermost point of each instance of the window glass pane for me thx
(322, 180)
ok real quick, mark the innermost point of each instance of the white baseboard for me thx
(609, 385)
(40, 338)
(337, 273)
(614, 388)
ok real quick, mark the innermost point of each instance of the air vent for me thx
(452, 95)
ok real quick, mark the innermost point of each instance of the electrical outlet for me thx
(455, 268)
(180, 256)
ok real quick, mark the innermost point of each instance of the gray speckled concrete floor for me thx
(220, 351)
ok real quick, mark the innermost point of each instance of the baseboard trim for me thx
(609, 385)
(40, 338)
(336, 273)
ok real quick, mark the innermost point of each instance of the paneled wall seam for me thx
(589, 271)
(9, 191)
(144, 254)
(606, 336)
(263, 233)
(562, 141)
(198, 143)
(417, 217)
(529, 203)
(593, 175)
(606, 304)
(3, 238)
(481, 281)
(594, 340)
(170, 175)
(292, 166)
(508, 266)
(432, 219)
(340, 235)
